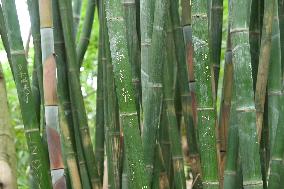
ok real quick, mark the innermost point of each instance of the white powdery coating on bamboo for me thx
(47, 42)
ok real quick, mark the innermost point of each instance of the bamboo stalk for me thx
(50, 95)
(183, 46)
(112, 127)
(205, 94)
(169, 81)
(66, 122)
(8, 166)
(215, 37)
(39, 163)
(255, 37)
(4, 38)
(160, 179)
(225, 113)
(134, 49)
(263, 66)
(99, 135)
(276, 165)
(281, 26)
(86, 31)
(244, 96)
(76, 95)
(153, 95)
(125, 93)
(77, 6)
(274, 83)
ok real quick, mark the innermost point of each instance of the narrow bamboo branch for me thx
(86, 31)
(263, 66)
(215, 38)
(77, 6)
(39, 163)
(99, 136)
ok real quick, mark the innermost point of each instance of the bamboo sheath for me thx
(50, 94)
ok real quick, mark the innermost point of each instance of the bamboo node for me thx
(246, 109)
(128, 2)
(274, 93)
(205, 109)
(239, 30)
(32, 130)
(253, 183)
(128, 114)
(18, 52)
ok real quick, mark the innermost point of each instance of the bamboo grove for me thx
(183, 99)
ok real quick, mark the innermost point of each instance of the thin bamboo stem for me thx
(86, 31)
(263, 66)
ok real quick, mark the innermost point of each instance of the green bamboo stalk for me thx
(99, 136)
(39, 163)
(4, 37)
(8, 166)
(77, 6)
(215, 37)
(165, 144)
(276, 165)
(124, 176)
(153, 95)
(186, 84)
(112, 128)
(66, 122)
(86, 31)
(35, 29)
(147, 8)
(274, 84)
(244, 96)
(76, 94)
(225, 118)
(263, 66)
(134, 49)
(160, 178)
(204, 94)
(281, 26)
(50, 95)
(169, 81)
(255, 37)
(125, 93)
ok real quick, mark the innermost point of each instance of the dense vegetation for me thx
(142, 94)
